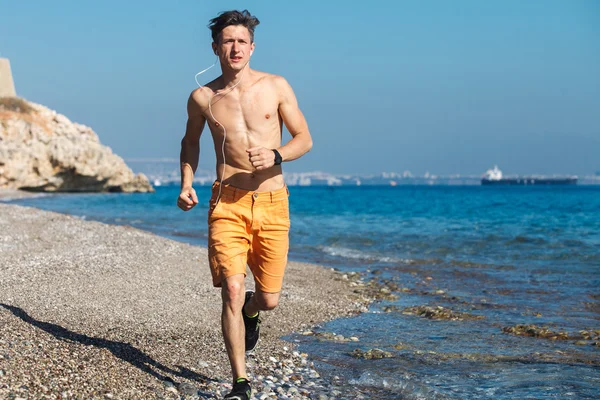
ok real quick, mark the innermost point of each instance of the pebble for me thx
(168, 384)
(187, 389)
(169, 389)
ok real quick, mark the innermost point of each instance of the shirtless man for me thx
(248, 215)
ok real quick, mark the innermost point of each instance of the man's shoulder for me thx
(199, 98)
(269, 78)
(202, 94)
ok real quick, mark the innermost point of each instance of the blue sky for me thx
(439, 86)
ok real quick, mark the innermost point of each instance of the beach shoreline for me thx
(90, 310)
(16, 194)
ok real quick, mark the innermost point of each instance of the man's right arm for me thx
(190, 150)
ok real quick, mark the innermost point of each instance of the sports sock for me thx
(246, 314)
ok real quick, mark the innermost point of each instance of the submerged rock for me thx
(372, 354)
(536, 331)
(581, 338)
(590, 335)
(565, 358)
(440, 312)
(331, 336)
(42, 150)
(373, 288)
(402, 346)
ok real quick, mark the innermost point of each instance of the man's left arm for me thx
(295, 123)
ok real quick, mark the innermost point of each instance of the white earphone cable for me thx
(217, 122)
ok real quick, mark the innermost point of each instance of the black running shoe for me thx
(252, 325)
(241, 390)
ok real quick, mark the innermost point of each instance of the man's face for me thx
(235, 46)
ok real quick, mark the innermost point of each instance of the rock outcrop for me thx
(42, 150)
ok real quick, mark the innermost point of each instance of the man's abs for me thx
(266, 180)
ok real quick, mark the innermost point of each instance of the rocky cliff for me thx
(42, 150)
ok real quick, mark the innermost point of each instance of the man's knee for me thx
(233, 290)
(267, 301)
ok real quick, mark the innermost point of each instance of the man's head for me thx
(228, 18)
(233, 37)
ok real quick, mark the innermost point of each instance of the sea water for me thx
(505, 256)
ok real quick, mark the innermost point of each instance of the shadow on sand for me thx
(124, 351)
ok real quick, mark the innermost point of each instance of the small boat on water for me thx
(494, 177)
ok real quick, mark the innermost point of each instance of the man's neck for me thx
(231, 78)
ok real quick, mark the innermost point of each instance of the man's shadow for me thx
(124, 351)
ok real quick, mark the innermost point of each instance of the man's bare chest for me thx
(249, 110)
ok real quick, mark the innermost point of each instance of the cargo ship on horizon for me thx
(494, 177)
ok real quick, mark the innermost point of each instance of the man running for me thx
(248, 216)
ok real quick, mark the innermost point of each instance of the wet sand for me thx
(90, 310)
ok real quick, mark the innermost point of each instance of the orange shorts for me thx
(251, 228)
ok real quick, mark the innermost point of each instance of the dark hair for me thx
(234, 17)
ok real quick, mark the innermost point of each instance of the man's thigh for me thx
(269, 253)
(228, 242)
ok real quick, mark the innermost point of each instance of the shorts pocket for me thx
(214, 209)
(277, 217)
(284, 210)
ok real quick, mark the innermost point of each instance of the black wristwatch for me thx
(278, 158)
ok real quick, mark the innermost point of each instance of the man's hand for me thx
(187, 198)
(261, 158)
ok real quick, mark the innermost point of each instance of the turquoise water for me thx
(511, 255)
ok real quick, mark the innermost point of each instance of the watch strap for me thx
(278, 158)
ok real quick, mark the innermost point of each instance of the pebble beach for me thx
(432, 297)
(96, 311)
